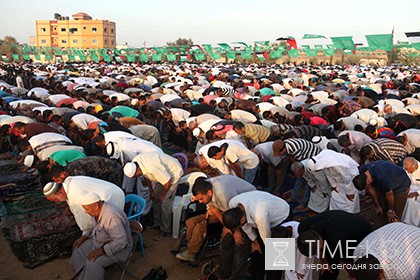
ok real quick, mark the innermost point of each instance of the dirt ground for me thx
(157, 253)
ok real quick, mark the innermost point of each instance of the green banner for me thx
(329, 52)
(200, 56)
(171, 57)
(157, 57)
(276, 54)
(15, 57)
(312, 36)
(107, 57)
(144, 57)
(131, 58)
(231, 55)
(380, 42)
(215, 55)
(343, 43)
(246, 55)
(293, 53)
(311, 52)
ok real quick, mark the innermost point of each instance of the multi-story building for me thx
(80, 32)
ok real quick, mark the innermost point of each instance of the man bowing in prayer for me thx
(109, 241)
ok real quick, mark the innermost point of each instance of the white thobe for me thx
(411, 213)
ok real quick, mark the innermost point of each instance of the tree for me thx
(180, 42)
(9, 45)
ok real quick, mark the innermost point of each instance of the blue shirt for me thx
(387, 176)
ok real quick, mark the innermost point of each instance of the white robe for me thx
(411, 213)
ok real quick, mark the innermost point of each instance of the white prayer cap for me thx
(190, 178)
(50, 188)
(89, 198)
(113, 150)
(134, 101)
(29, 160)
(130, 169)
(196, 132)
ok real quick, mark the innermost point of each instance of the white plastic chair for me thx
(181, 202)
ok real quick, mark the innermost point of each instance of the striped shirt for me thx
(256, 133)
(387, 149)
(301, 149)
(397, 248)
(307, 132)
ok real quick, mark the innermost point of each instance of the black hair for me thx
(304, 246)
(338, 125)
(232, 218)
(360, 181)
(201, 186)
(213, 150)
(56, 170)
(358, 127)
(343, 140)
(238, 125)
(370, 129)
(368, 268)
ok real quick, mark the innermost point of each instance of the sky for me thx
(153, 23)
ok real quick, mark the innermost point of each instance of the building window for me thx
(84, 39)
(55, 28)
(105, 29)
(75, 41)
(106, 41)
(63, 29)
(43, 29)
(73, 30)
(112, 30)
(112, 42)
(84, 27)
(43, 41)
(94, 41)
(94, 29)
(55, 39)
(64, 41)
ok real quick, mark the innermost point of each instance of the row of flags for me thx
(310, 45)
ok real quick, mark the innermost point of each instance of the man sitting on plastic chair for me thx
(109, 242)
(216, 193)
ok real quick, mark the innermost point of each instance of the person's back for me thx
(337, 227)
(225, 187)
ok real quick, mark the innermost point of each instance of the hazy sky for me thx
(157, 22)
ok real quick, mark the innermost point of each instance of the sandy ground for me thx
(157, 253)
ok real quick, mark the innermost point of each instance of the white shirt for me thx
(365, 115)
(414, 109)
(243, 116)
(266, 152)
(350, 122)
(168, 98)
(129, 148)
(159, 167)
(219, 164)
(279, 101)
(179, 115)
(19, 82)
(242, 155)
(77, 186)
(82, 120)
(413, 139)
(263, 210)
(9, 119)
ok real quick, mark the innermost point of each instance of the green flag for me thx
(293, 53)
(416, 46)
(225, 46)
(276, 54)
(15, 57)
(318, 47)
(26, 56)
(131, 58)
(200, 56)
(207, 47)
(343, 43)
(107, 57)
(215, 55)
(37, 57)
(329, 52)
(48, 57)
(144, 57)
(305, 47)
(157, 57)
(258, 48)
(311, 52)
(70, 57)
(94, 57)
(171, 57)
(380, 42)
(312, 36)
(246, 55)
(231, 55)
